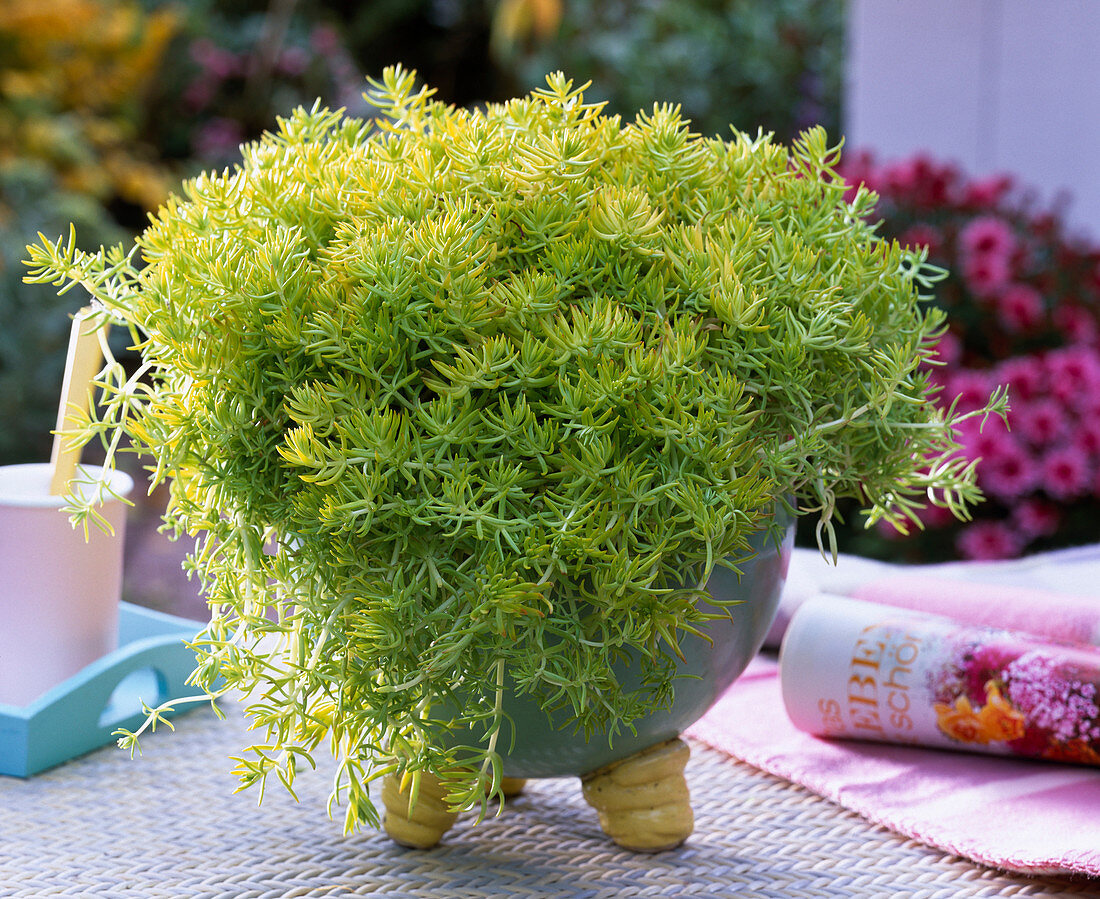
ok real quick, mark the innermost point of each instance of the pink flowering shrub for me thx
(1023, 299)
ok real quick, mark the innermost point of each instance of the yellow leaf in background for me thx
(517, 21)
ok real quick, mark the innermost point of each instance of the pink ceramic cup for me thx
(59, 593)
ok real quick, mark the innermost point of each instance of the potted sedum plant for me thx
(485, 418)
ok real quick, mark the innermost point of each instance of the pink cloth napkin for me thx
(1034, 817)
(1053, 595)
(1029, 817)
(1074, 619)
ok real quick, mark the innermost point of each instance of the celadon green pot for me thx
(547, 746)
(634, 778)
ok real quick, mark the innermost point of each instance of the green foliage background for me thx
(772, 65)
(750, 63)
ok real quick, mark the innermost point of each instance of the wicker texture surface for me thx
(169, 825)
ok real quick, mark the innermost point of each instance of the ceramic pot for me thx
(549, 747)
(635, 780)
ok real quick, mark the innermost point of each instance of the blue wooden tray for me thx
(151, 665)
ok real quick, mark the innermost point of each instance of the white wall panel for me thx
(994, 85)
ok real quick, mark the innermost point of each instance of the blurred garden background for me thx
(106, 105)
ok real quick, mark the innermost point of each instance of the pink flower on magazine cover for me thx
(1065, 707)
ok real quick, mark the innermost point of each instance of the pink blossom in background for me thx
(325, 40)
(1036, 518)
(933, 517)
(1086, 438)
(987, 192)
(1076, 324)
(1074, 374)
(1066, 473)
(1020, 307)
(972, 388)
(948, 350)
(293, 61)
(215, 60)
(218, 136)
(1023, 300)
(987, 274)
(1009, 472)
(1025, 376)
(900, 177)
(1042, 422)
(988, 540)
(985, 438)
(922, 236)
(988, 236)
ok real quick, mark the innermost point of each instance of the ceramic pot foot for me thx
(512, 786)
(643, 800)
(423, 825)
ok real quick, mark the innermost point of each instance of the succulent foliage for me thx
(465, 402)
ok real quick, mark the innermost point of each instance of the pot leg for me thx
(643, 800)
(512, 786)
(422, 825)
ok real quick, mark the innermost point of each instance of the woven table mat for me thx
(169, 824)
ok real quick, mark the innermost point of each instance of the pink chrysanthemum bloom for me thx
(948, 350)
(971, 387)
(987, 192)
(1036, 518)
(922, 235)
(1025, 376)
(987, 274)
(933, 517)
(988, 235)
(1074, 374)
(1066, 473)
(984, 439)
(1009, 472)
(1020, 308)
(1075, 323)
(1042, 422)
(988, 540)
(1086, 437)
